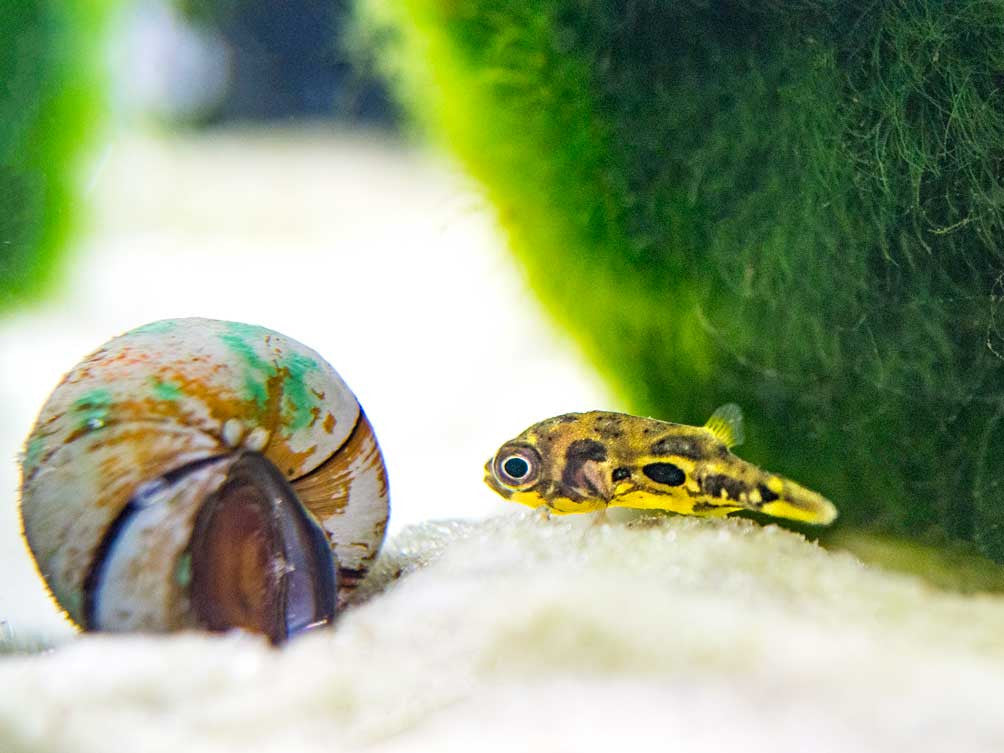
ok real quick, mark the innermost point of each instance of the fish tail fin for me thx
(795, 502)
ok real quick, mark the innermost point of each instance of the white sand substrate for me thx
(516, 633)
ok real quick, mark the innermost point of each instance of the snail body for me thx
(195, 473)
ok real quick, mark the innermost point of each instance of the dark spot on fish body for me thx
(620, 474)
(683, 447)
(567, 418)
(548, 437)
(766, 495)
(582, 450)
(665, 473)
(606, 432)
(608, 427)
(713, 486)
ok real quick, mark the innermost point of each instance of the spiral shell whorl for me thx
(178, 391)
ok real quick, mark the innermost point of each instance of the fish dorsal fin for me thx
(726, 424)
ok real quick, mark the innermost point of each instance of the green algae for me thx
(183, 570)
(51, 69)
(160, 327)
(300, 406)
(796, 206)
(93, 408)
(33, 453)
(166, 390)
(239, 338)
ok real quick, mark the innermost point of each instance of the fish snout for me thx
(493, 483)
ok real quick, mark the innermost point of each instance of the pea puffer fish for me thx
(584, 462)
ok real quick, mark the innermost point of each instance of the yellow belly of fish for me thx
(684, 505)
(558, 505)
(638, 500)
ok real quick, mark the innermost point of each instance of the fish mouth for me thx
(492, 483)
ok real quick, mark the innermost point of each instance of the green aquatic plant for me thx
(795, 205)
(50, 101)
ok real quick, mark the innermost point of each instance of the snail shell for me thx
(202, 473)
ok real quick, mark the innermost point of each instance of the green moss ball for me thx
(794, 205)
(50, 98)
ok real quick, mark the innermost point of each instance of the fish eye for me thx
(517, 467)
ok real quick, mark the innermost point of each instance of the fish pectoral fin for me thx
(591, 481)
(726, 423)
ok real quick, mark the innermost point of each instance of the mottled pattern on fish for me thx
(583, 462)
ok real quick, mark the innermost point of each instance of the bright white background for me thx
(386, 261)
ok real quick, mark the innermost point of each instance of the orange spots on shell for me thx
(199, 398)
(287, 460)
(325, 490)
(329, 422)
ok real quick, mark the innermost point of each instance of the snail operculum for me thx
(196, 473)
(259, 560)
(234, 546)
